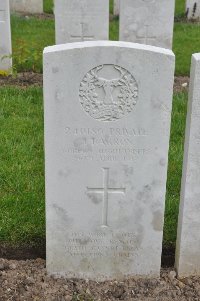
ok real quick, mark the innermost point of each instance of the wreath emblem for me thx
(108, 92)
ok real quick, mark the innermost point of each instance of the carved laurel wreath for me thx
(109, 108)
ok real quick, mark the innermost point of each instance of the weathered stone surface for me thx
(107, 124)
(188, 237)
(27, 6)
(147, 22)
(81, 20)
(116, 7)
(5, 36)
(193, 9)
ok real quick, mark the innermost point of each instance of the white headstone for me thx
(81, 20)
(147, 22)
(116, 8)
(107, 125)
(193, 9)
(188, 238)
(5, 37)
(27, 6)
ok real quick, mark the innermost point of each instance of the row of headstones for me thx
(146, 23)
(36, 6)
(107, 128)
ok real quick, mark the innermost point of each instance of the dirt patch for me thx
(181, 83)
(25, 79)
(43, 16)
(27, 280)
(23, 252)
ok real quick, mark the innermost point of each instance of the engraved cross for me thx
(82, 36)
(146, 38)
(106, 190)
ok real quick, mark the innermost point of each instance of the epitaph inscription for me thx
(108, 92)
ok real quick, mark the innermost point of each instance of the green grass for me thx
(186, 42)
(180, 8)
(22, 203)
(175, 167)
(30, 36)
(22, 166)
(48, 6)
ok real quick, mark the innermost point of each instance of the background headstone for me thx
(81, 20)
(193, 9)
(147, 22)
(27, 6)
(5, 37)
(116, 7)
(107, 126)
(188, 238)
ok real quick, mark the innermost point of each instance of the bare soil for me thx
(43, 16)
(181, 83)
(22, 80)
(27, 280)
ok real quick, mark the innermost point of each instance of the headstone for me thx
(27, 6)
(193, 9)
(5, 40)
(188, 237)
(147, 22)
(107, 126)
(81, 20)
(116, 8)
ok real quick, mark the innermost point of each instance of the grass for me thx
(22, 218)
(22, 166)
(48, 6)
(175, 167)
(180, 8)
(30, 36)
(186, 42)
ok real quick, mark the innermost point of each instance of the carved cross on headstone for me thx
(146, 38)
(82, 36)
(2, 15)
(106, 190)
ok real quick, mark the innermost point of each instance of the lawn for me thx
(22, 218)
